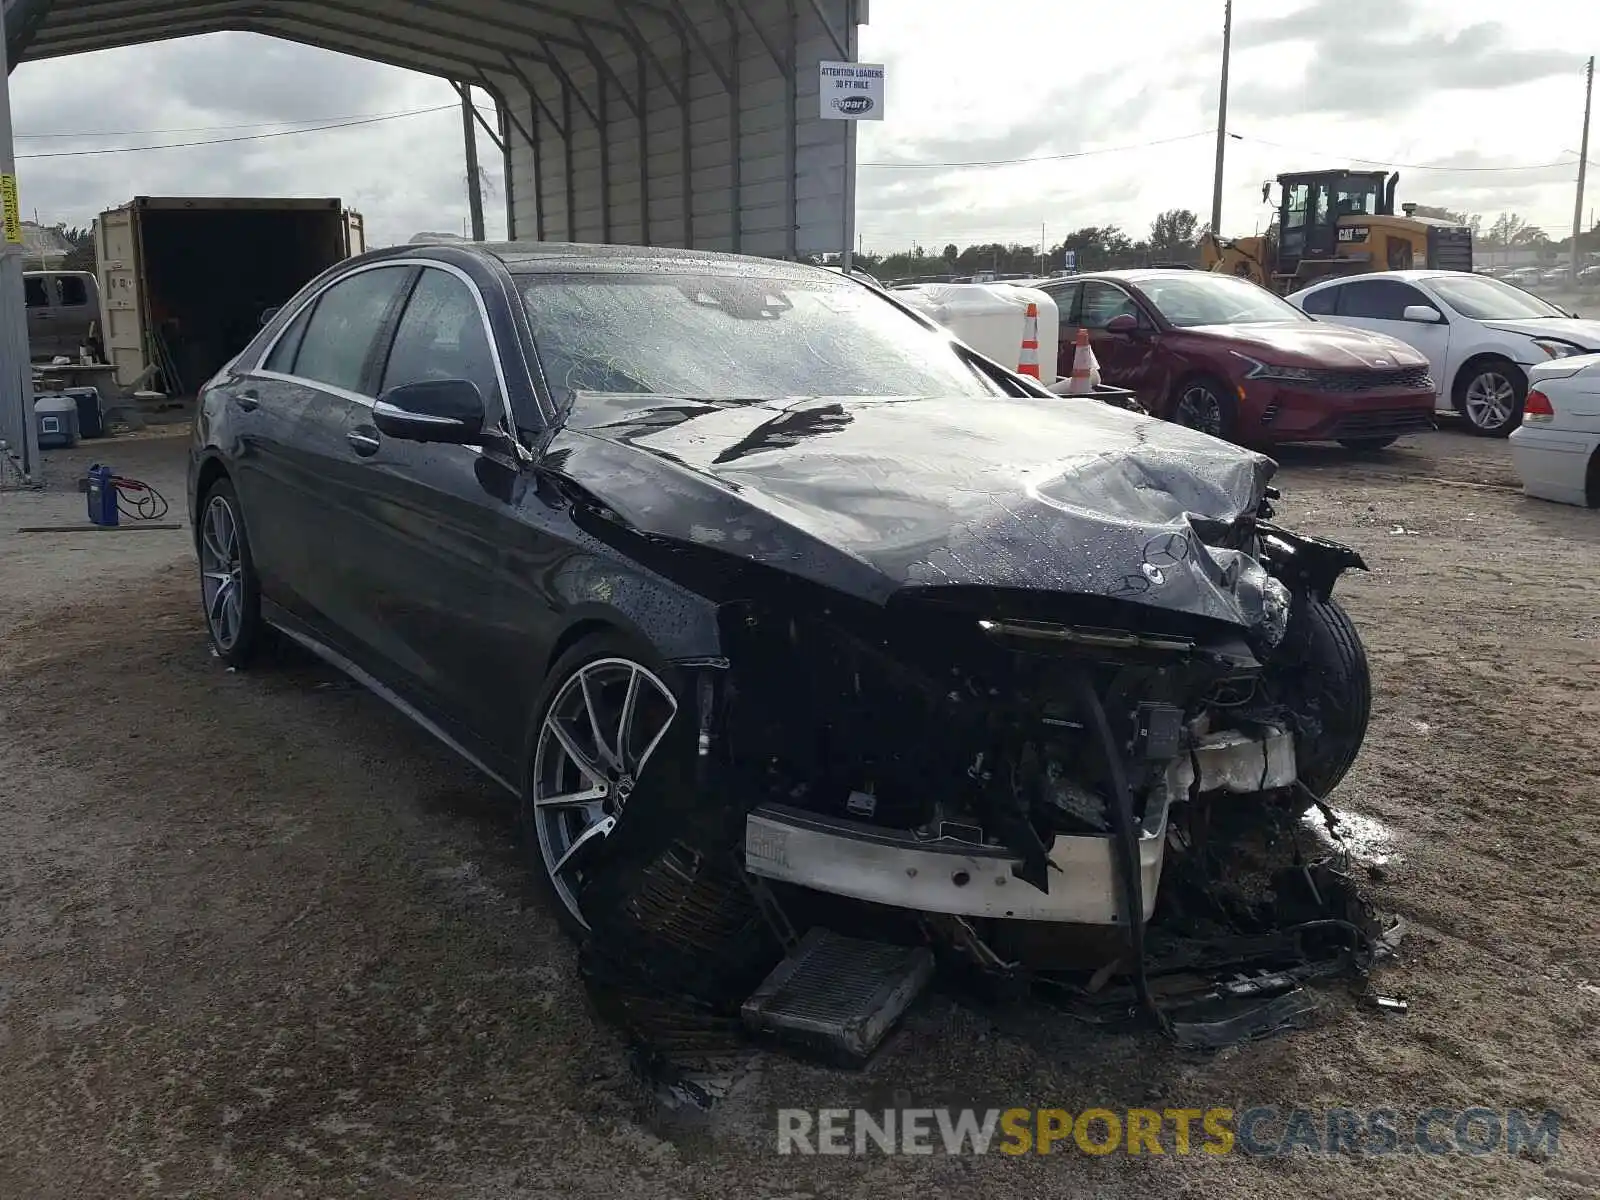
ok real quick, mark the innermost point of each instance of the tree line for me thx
(1174, 238)
(1510, 231)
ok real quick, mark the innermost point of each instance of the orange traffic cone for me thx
(1028, 360)
(1084, 367)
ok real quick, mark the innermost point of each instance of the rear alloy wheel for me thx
(605, 719)
(229, 592)
(1202, 405)
(1489, 395)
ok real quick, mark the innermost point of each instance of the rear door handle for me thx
(248, 400)
(364, 441)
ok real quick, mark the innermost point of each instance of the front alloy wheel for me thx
(1492, 401)
(1200, 408)
(598, 735)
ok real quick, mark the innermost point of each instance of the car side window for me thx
(281, 359)
(1378, 299)
(441, 336)
(1323, 303)
(34, 293)
(1066, 298)
(344, 325)
(73, 290)
(1102, 302)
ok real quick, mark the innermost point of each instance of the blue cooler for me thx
(57, 417)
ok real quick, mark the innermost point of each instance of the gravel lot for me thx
(259, 937)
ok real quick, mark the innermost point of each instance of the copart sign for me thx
(852, 91)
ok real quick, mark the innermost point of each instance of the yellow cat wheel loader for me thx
(1337, 223)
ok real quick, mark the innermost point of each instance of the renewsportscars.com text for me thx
(1262, 1131)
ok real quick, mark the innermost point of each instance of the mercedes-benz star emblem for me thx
(1166, 549)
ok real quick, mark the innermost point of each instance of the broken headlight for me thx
(1265, 601)
(1276, 601)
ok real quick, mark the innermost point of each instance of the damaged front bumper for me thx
(901, 869)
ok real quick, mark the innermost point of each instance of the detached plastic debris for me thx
(1396, 1006)
(1388, 942)
(1202, 1030)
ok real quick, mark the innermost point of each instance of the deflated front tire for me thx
(1321, 667)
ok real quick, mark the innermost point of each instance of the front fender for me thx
(1306, 563)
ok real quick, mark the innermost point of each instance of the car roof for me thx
(1141, 274)
(551, 257)
(1416, 275)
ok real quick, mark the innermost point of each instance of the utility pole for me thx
(17, 424)
(1583, 163)
(474, 189)
(1222, 120)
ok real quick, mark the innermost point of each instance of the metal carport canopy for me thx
(665, 122)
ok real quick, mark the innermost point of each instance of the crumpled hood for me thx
(869, 496)
(1317, 344)
(1577, 330)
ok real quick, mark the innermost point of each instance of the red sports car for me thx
(1220, 354)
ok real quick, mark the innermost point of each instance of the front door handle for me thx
(364, 441)
(248, 400)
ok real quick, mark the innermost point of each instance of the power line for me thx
(87, 133)
(1379, 162)
(1009, 162)
(249, 137)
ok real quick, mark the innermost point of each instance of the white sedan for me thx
(1482, 336)
(1556, 451)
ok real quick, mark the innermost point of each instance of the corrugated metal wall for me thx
(731, 90)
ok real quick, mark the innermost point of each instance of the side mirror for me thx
(432, 410)
(1423, 314)
(1123, 323)
(268, 313)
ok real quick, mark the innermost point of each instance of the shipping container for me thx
(185, 281)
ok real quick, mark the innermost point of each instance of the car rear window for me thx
(734, 337)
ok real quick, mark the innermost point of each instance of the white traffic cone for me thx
(1028, 360)
(1085, 367)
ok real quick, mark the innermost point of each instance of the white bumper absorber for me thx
(900, 869)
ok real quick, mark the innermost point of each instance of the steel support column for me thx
(18, 428)
(852, 35)
(469, 133)
(563, 128)
(641, 118)
(503, 113)
(602, 123)
(735, 134)
(791, 135)
(784, 58)
(686, 136)
(566, 145)
(22, 21)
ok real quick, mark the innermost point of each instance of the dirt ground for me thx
(260, 937)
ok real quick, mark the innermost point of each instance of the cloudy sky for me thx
(1452, 92)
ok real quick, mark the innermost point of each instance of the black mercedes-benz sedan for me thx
(714, 560)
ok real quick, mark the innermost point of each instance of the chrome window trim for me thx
(365, 401)
(394, 410)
